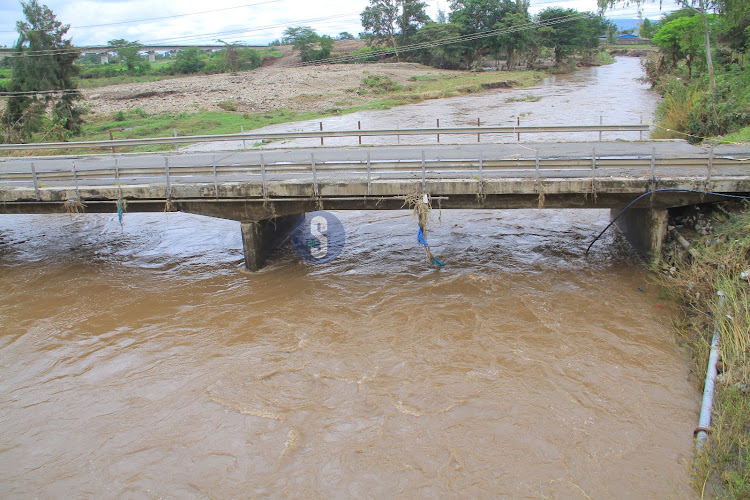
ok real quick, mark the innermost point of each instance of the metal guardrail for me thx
(315, 171)
(437, 131)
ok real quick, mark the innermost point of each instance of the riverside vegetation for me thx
(723, 263)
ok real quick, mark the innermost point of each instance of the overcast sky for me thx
(256, 22)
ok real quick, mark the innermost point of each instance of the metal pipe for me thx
(704, 422)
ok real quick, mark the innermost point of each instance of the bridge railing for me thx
(167, 171)
(269, 136)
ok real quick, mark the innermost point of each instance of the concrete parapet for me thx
(260, 238)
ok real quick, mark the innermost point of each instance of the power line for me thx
(404, 48)
(166, 17)
(165, 41)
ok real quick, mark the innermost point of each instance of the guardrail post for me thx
(478, 125)
(641, 132)
(75, 180)
(369, 166)
(398, 136)
(593, 159)
(481, 173)
(710, 167)
(359, 127)
(315, 173)
(176, 146)
(438, 126)
(653, 166)
(117, 177)
(321, 129)
(536, 168)
(601, 122)
(518, 124)
(424, 183)
(242, 130)
(166, 170)
(36, 181)
(112, 138)
(216, 180)
(263, 175)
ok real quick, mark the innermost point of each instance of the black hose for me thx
(659, 191)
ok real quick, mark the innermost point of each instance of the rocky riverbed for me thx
(301, 88)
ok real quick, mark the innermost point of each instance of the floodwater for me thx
(609, 95)
(142, 361)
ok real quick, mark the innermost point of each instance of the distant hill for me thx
(626, 24)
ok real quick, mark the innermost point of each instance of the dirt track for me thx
(309, 88)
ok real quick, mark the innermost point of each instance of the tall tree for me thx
(701, 7)
(563, 38)
(43, 63)
(393, 21)
(128, 53)
(305, 40)
(480, 15)
(735, 23)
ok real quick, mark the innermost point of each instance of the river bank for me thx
(720, 262)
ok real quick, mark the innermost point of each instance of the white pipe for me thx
(708, 391)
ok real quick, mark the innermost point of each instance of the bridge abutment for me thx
(645, 229)
(260, 238)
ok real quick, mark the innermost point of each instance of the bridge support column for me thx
(260, 238)
(645, 229)
(104, 57)
(151, 56)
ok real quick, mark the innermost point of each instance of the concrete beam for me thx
(261, 238)
(645, 229)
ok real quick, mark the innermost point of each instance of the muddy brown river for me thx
(143, 361)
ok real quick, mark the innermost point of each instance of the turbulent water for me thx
(143, 361)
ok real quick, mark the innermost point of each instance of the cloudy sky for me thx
(256, 22)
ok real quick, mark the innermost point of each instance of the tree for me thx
(681, 38)
(345, 35)
(579, 33)
(514, 41)
(188, 61)
(646, 29)
(44, 63)
(701, 7)
(735, 23)
(304, 39)
(480, 15)
(393, 21)
(446, 56)
(128, 53)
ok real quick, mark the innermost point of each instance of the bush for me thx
(380, 83)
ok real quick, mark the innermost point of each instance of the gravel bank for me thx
(312, 88)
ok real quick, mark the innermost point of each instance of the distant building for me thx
(628, 39)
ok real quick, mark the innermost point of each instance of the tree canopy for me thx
(44, 62)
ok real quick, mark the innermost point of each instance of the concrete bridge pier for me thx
(151, 56)
(645, 229)
(104, 57)
(261, 238)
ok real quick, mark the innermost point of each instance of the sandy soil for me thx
(281, 85)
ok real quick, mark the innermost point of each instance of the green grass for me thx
(742, 135)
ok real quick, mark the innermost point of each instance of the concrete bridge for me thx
(267, 190)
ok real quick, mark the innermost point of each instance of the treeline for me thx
(128, 59)
(694, 104)
(480, 29)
